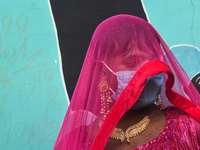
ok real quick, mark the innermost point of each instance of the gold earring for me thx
(105, 97)
(159, 102)
(103, 87)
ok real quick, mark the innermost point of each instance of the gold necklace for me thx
(135, 129)
(131, 131)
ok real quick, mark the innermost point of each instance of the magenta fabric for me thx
(121, 43)
(179, 133)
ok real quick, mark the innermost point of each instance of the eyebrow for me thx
(134, 57)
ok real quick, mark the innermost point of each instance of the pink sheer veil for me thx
(120, 43)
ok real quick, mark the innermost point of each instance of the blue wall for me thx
(178, 22)
(33, 99)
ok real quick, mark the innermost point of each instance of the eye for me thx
(130, 64)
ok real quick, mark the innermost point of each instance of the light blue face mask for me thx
(150, 92)
(123, 78)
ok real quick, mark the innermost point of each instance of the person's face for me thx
(129, 62)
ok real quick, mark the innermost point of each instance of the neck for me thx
(134, 116)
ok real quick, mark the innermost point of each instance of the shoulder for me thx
(197, 128)
(172, 111)
(179, 114)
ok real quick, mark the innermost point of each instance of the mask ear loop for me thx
(111, 72)
(108, 68)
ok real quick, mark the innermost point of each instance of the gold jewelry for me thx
(131, 131)
(103, 85)
(159, 102)
(105, 97)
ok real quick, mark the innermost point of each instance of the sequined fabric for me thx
(178, 134)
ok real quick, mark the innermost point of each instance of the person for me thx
(131, 94)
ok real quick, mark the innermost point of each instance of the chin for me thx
(137, 106)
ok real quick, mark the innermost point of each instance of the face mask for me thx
(150, 92)
(123, 78)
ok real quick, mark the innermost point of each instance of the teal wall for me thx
(178, 22)
(33, 99)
